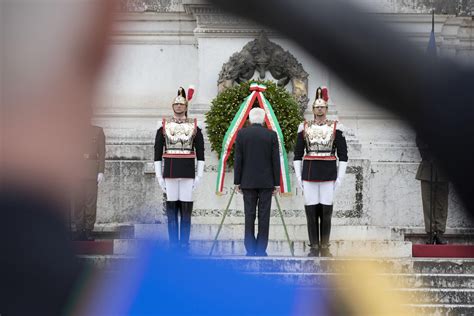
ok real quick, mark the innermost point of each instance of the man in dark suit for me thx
(257, 176)
(434, 189)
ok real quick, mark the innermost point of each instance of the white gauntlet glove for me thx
(200, 173)
(159, 176)
(341, 172)
(297, 166)
(100, 178)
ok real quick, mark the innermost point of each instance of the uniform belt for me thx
(179, 155)
(320, 153)
(90, 156)
(319, 157)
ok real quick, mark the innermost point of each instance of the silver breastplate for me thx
(179, 136)
(319, 139)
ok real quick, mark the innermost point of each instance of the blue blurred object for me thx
(166, 283)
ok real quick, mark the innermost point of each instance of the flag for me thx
(431, 49)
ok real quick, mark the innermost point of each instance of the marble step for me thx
(416, 295)
(350, 248)
(442, 309)
(112, 231)
(314, 265)
(440, 296)
(420, 290)
(462, 236)
(326, 279)
(459, 239)
(406, 295)
(398, 280)
(296, 232)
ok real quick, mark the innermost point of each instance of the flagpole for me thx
(432, 20)
(222, 222)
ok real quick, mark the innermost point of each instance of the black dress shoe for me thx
(438, 239)
(313, 252)
(431, 240)
(89, 236)
(261, 254)
(184, 249)
(173, 247)
(80, 236)
(325, 252)
(250, 254)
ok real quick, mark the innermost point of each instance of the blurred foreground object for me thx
(52, 53)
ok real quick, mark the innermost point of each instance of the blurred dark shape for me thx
(38, 269)
(52, 52)
(434, 96)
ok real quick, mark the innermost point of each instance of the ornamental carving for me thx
(262, 56)
(150, 5)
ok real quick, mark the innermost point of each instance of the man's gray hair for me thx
(257, 116)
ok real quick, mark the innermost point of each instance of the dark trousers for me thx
(440, 205)
(319, 218)
(185, 209)
(252, 198)
(85, 205)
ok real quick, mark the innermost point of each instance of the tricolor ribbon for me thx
(238, 122)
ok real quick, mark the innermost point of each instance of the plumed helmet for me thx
(181, 98)
(322, 97)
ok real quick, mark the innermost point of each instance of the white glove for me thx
(196, 182)
(341, 172)
(297, 166)
(200, 173)
(100, 178)
(159, 176)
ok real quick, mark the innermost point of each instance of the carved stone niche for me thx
(262, 55)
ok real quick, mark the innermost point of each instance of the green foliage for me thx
(225, 106)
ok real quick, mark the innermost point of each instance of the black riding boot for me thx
(185, 227)
(313, 230)
(438, 238)
(89, 235)
(326, 230)
(80, 235)
(172, 214)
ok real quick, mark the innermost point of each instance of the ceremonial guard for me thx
(434, 194)
(319, 145)
(92, 174)
(178, 143)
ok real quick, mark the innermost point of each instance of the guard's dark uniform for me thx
(85, 206)
(434, 184)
